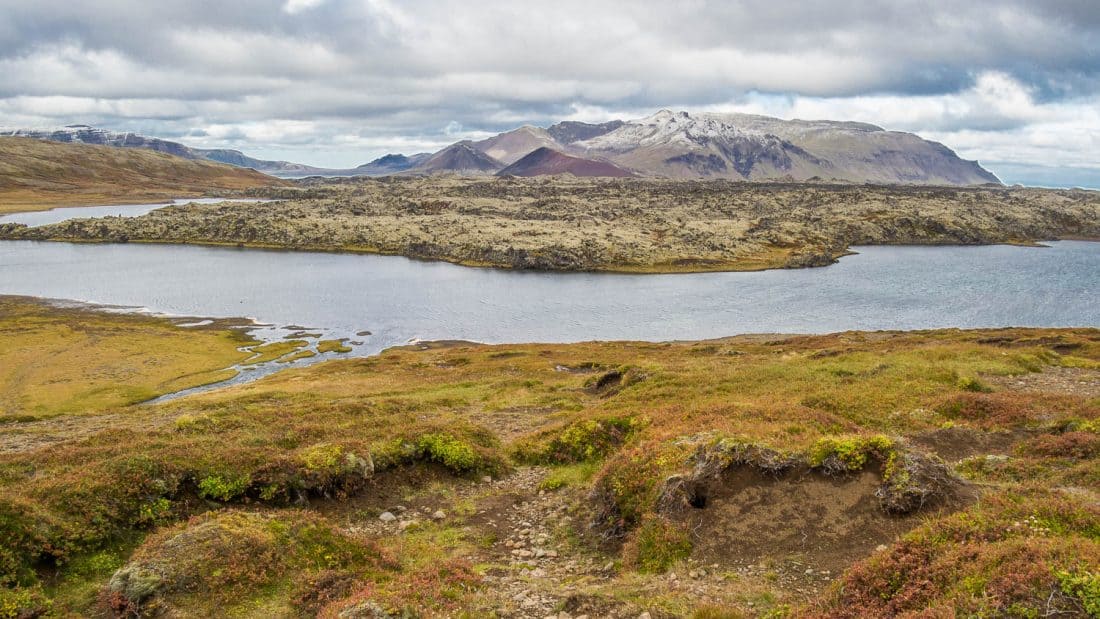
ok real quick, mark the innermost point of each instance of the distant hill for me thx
(547, 161)
(84, 134)
(36, 174)
(390, 164)
(461, 158)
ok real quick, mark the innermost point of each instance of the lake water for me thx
(56, 215)
(399, 300)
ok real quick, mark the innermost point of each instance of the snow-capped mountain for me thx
(747, 147)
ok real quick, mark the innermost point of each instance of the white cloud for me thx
(1005, 80)
(297, 6)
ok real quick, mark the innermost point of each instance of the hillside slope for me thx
(460, 158)
(547, 161)
(36, 175)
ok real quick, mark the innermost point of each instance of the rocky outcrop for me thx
(572, 224)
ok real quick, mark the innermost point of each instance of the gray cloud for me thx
(345, 79)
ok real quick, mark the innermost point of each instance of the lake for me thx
(399, 300)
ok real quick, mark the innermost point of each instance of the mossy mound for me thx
(223, 557)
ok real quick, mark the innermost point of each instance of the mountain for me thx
(42, 174)
(738, 147)
(547, 161)
(665, 145)
(460, 158)
(391, 164)
(745, 146)
(569, 131)
(511, 146)
(83, 134)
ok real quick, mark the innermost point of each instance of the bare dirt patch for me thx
(1082, 382)
(957, 443)
(823, 522)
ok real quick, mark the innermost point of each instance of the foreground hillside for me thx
(37, 174)
(607, 225)
(935, 474)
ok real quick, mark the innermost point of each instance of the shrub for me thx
(997, 558)
(20, 603)
(1084, 586)
(1076, 445)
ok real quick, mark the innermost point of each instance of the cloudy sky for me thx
(1014, 84)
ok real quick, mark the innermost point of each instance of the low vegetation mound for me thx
(221, 560)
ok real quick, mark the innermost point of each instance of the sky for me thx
(1014, 84)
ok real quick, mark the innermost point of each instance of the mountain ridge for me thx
(667, 144)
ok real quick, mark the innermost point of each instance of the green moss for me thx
(581, 441)
(851, 452)
(449, 451)
(224, 488)
(324, 457)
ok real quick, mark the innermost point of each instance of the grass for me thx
(69, 361)
(39, 175)
(617, 418)
(336, 346)
(277, 351)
